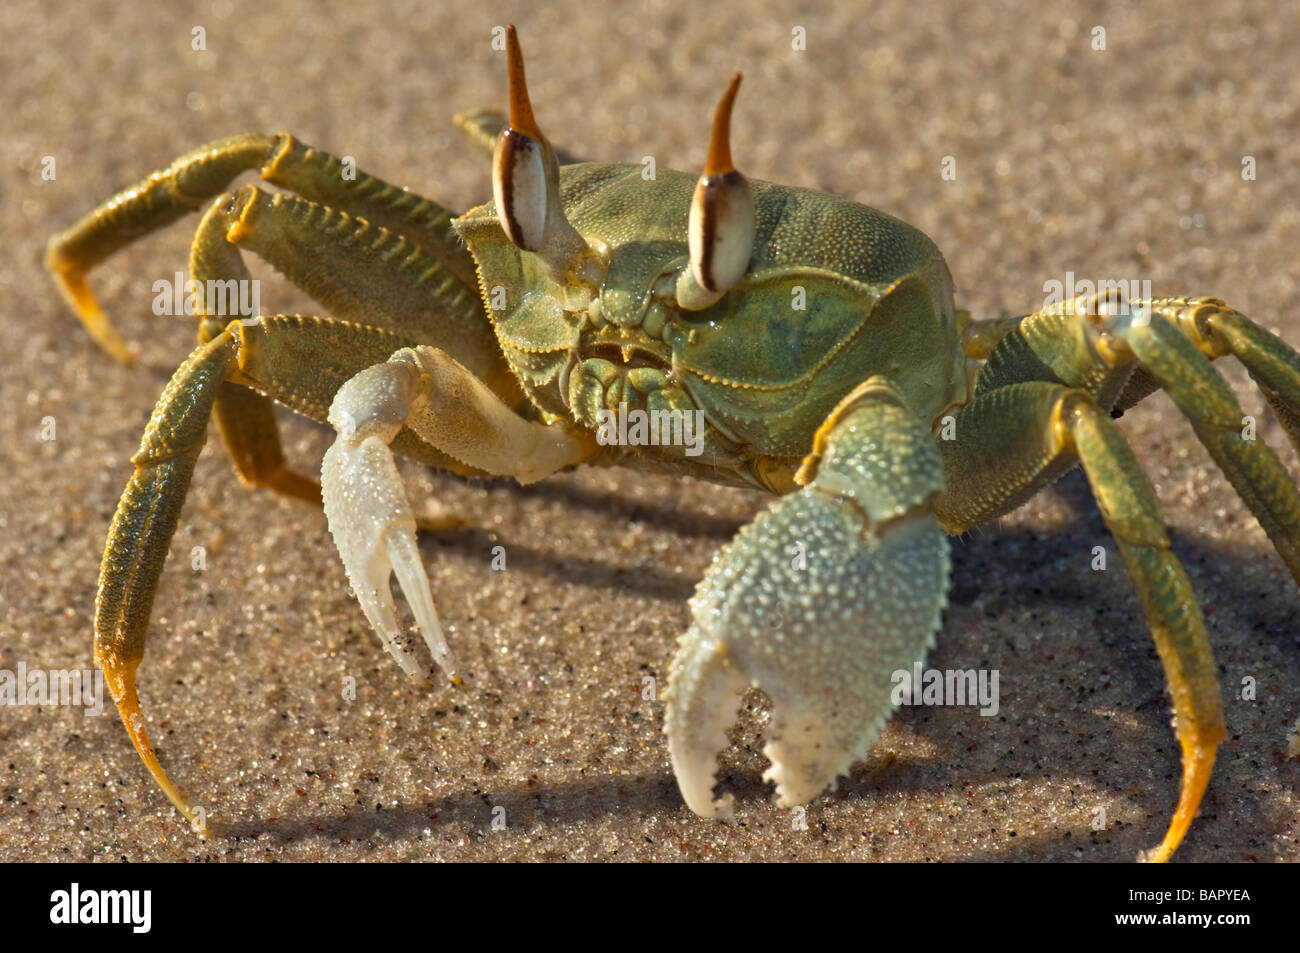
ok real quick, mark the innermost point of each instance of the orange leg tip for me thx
(1198, 765)
(122, 681)
(78, 294)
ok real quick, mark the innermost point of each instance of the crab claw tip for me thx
(703, 700)
(823, 641)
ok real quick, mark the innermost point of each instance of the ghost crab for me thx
(598, 287)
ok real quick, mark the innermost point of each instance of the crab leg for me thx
(1217, 331)
(1170, 341)
(446, 406)
(1275, 367)
(355, 270)
(991, 469)
(199, 176)
(141, 531)
(301, 361)
(1205, 399)
(245, 419)
(346, 264)
(818, 602)
(1119, 356)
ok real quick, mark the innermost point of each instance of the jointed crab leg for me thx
(991, 468)
(355, 270)
(1088, 347)
(345, 259)
(1205, 399)
(348, 265)
(156, 202)
(245, 419)
(1218, 330)
(1117, 358)
(301, 361)
(199, 176)
(142, 528)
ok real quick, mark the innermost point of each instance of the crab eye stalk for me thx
(720, 231)
(519, 164)
(526, 187)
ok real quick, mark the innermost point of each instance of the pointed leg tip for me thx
(1198, 765)
(128, 706)
(76, 291)
(1156, 855)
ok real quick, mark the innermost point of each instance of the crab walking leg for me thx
(198, 176)
(1096, 348)
(355, 270)
(819, 601)
(1217, 330)
(301, 361)
(245, 419)
(991, 468)
(425, 390)
(248, 428)
(1206, 400)
(342, 262)
(141, 531)
(155, 203)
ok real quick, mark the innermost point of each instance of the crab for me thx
(813, 342)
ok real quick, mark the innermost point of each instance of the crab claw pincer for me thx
(818, 602)
(368, 512)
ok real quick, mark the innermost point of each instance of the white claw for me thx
(704, 697)
(822, 640)
(369, 515)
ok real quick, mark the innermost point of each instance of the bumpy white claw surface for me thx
(368, 512)
(822, 641)
(703, 696)
(818, 602)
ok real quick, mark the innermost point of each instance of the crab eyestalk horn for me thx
(526, 187)
(721, 225)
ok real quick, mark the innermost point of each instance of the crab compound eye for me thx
(519, 187)
(526, 187)
(720, 231)
(520, 163)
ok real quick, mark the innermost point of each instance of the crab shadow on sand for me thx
(996, 569)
